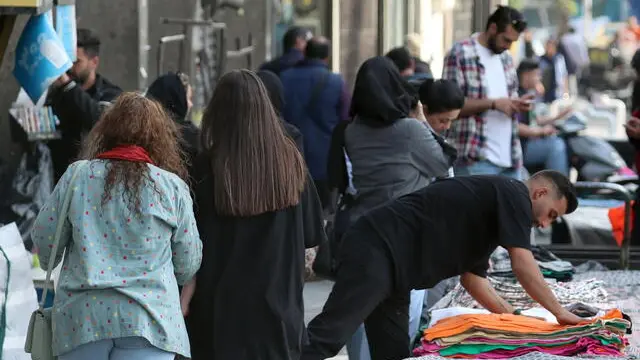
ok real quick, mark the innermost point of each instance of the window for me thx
(395, 23)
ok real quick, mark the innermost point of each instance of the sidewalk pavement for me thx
(315, 295)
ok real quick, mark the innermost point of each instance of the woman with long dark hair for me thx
(257, 210)
(129, 240)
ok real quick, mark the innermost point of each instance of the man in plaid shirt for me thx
(486, 134)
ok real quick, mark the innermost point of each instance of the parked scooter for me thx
(594, 158)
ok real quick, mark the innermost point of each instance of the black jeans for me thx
(364, 292)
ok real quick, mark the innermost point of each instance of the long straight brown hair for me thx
(256, 168)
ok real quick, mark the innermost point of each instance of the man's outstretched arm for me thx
(481, 290)
(528, 273)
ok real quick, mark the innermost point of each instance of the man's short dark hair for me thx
(401, 57)
(562, 185)
(317, 49)
(292, 35)
(527, 65)
(505, 16)
(89, 41)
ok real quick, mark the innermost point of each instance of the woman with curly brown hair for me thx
(129, 238)
(257, 210)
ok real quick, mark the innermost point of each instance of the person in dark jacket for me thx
(294, 42)
(77, 99)
(257, 211)
(316, 100)
(174, 93)
(276, 93)
(406, 64)
(414, 43)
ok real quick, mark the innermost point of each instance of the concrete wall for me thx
(184, 9)
(116, 22)
(252, 20)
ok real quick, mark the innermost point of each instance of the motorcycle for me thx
(594, 158)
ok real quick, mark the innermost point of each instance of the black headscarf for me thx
(381, 96)
(274, 87)
(275, 90)
(169, 91)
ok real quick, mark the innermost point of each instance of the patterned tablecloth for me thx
(623, 288)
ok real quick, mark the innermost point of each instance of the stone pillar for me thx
(358, 35)
(463, 18)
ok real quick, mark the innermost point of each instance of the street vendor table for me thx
(623, 288)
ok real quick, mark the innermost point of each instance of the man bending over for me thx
(449, 228)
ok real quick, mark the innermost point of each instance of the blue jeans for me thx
(485, 167)
(358, 346)
(550, 152)
(129, 348)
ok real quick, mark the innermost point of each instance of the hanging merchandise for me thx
(17, 293)
(30, 188)
(66, 29)
(40, 57)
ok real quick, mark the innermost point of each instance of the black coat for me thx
(248, 300)
(78, 110)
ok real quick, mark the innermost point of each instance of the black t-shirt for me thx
(451, 227)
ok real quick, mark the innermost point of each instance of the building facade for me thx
(242, 37)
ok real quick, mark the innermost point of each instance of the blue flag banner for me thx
(66, 28)
(49, 16)
(40, 58)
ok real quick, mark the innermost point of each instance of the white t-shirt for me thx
(498, 128)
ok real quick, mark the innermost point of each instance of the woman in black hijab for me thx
(392, 153)
(381, 96)
(275, 91)
(174, 93)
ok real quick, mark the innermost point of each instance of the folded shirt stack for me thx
(550, 265)
(501, 336)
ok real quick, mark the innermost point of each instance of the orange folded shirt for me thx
(502, 322)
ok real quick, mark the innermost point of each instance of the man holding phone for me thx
(486, 134)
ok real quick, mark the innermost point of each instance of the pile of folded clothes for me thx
(589, 291)
(502, 336)
(550, 265)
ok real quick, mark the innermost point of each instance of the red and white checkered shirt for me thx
(462, 65)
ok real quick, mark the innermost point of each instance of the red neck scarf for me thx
(127, 153)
